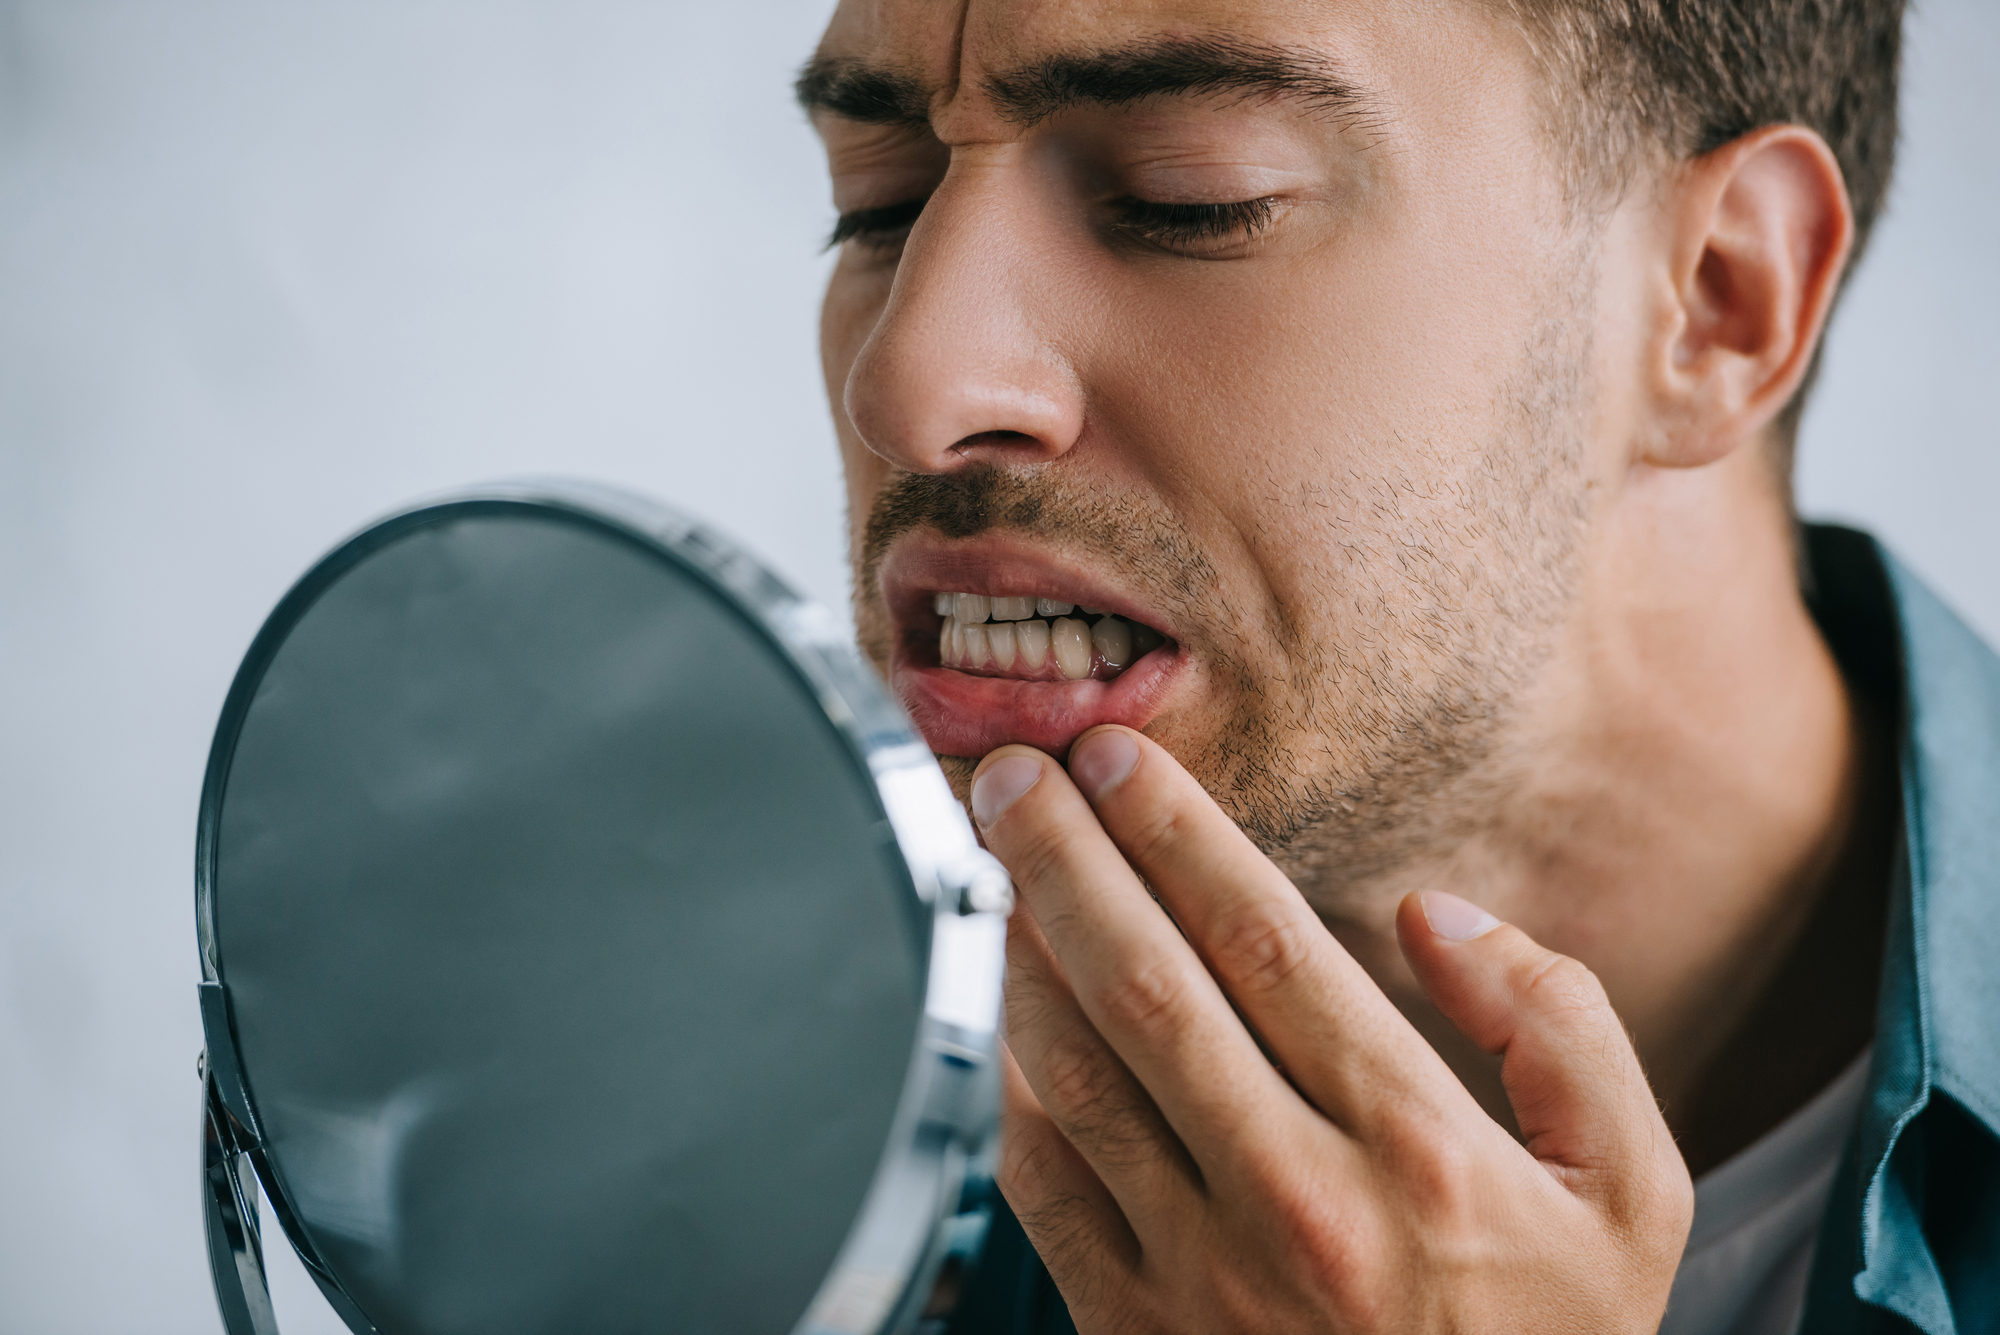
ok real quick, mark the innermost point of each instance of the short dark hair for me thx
(1692, 75)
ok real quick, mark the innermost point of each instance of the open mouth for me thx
(1036, 639)
(999, 640)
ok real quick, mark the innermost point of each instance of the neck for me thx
(1705, 819)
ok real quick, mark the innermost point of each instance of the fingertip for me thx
(1412, 931)
(1466, 985)
(1011, 749)
(1102, 759)
(1450, 918)
(1001, 780)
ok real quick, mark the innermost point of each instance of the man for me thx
(1322, 470)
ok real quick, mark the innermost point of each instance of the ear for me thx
(1760, 230)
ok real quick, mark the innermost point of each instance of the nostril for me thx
(993, 438)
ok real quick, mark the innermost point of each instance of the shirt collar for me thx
(1951, 808)
(1938, 1016)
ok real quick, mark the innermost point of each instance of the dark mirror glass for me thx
(575, 972)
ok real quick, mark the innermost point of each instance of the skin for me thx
(1449, 484)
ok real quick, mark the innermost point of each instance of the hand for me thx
(1173, 1179)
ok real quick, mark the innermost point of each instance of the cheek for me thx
(854, 301)
(1325, 429)
(1278, 403)
(866, 473)
(1377, 339)
(848, 315)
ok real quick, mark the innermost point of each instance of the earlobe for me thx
(1760, 232)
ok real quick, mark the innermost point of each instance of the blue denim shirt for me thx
(1911, 1235)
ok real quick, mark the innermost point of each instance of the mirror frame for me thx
(930, 1195)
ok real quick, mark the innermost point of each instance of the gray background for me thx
(270, 267)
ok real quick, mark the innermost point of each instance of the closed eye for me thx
(1169, 225)
(1193, 225)
(878, 228)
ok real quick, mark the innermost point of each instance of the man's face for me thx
(1259, 325)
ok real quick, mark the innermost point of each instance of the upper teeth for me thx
(1018, 636)
(976, 607)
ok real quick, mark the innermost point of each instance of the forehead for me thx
(1395, 48)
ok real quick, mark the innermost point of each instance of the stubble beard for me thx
(1395, 735)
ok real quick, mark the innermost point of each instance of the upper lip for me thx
(924, 564)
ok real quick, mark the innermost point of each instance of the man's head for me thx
(1348, 347)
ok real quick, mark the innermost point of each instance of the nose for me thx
(961, 366)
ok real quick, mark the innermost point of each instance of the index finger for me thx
(1137, 980)
(1337, 1035)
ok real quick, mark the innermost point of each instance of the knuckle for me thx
(1558, 985)
(1036, 853)
(1145, 999)
(1150, 834)
(1309, 1214)
(1079, 1080)
(1028, 1167)
(1345, 1257)
(1674, 1212)
(1110, 1299)
(1059, 1227)
(1434, 1170)
(1338, 1259)
(1260, 947)
(1660, 1206)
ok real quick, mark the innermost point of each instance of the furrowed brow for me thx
(862, 92)
(1184, 66)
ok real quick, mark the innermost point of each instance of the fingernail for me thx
(1100, 762)
(1453, 918)
(1004, 781)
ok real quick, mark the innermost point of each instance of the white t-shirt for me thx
(1756, 1218)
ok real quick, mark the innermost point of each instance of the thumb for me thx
(1582, 1102)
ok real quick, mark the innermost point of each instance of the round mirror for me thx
(589, 943)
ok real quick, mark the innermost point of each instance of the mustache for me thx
(961, 504)
(1126, 533)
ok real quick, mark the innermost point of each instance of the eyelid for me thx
(883, 165)
(1212, 183)
(853, 145)
(861, 224)
(1196, 230)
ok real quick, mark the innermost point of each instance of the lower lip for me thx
(963, 715)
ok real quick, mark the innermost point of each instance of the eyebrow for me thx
(862, 93)
(1120, 76)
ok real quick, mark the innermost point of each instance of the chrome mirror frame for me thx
(929, 1198)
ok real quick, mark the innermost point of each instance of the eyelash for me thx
(1188, 224)
(1162, 224)
(876, 228)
